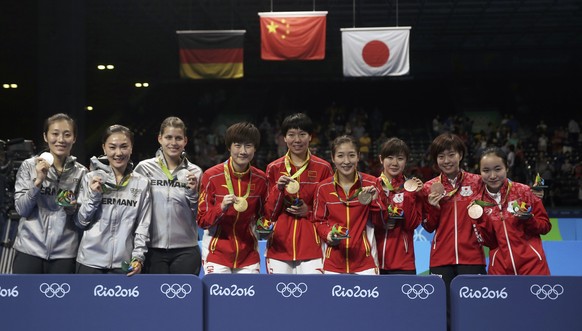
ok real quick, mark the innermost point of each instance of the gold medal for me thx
(365, 197)
(437, 188)
(410, 185)
(292, 187)
(475, 211)
(241, 204)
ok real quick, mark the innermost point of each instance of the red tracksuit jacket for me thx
(294, 238)
(229, 237)
(333, 206)
(516, 245)
(454, 240)
(395, 246)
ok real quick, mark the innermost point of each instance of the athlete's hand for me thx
(228, 201)
(96, 184)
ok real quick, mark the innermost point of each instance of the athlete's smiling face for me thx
(242, 154)
(60, 138)
(118, 148)
(297, 141)
(172, 142)
(449, 162)
(493, 171)
(345, 159)
(393, 165)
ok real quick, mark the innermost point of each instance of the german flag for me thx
(211, 54)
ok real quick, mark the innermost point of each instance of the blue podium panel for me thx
(323, 302)
(516, 303)
(101, 302)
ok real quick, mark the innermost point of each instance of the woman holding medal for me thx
(394, 236)
(343, 206)
(511, 219)
(232, 195)
(294, 247)
(174, 180)
(45, 197)
(114, 210)
(455, 248)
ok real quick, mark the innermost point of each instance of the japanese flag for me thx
(375, 51)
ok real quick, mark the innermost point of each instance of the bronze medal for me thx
(410, 185)
(365, 197)
(437, 188)
(292, 187)
(475, 211)
(241, 204)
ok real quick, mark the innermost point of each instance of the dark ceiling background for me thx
(447, 37)
(471, 54)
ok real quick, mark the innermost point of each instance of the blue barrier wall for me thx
(318, 302)
(533, 303)
(287, 302)
(101, 302)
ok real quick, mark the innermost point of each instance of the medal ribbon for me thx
(300, 170)
(107, 187)
(229, 182)
(388, 184)
(457, 185)
(165, 170)
(353, 196)
(483, 203)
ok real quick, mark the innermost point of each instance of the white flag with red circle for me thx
(376, 51)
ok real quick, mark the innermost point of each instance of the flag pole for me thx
(191, 16)
(353, 13)
(231, 14)
(396, 12)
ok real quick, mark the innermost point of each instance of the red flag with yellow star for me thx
(293, 35)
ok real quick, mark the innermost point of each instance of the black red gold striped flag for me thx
(208, 54)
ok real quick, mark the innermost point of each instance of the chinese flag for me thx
(211, 54)
(293, 35)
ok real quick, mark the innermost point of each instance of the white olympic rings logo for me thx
(291, 289)
(418, 290)
(547, 291)
(54, 289)
(176, 290)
